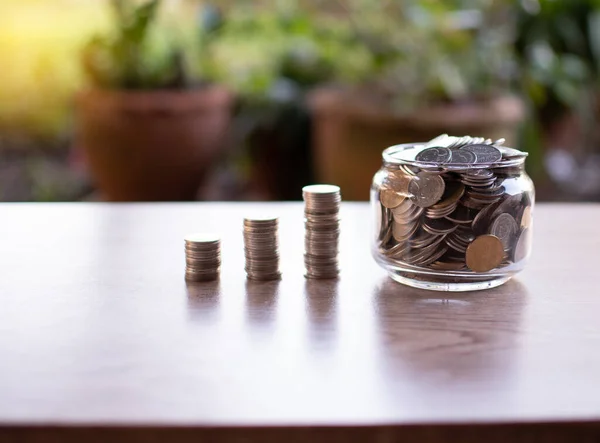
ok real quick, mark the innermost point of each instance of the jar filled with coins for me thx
(452, 214)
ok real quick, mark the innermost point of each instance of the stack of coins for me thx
(202, 257)
(455, 204)
(322, 230)
(261, 248)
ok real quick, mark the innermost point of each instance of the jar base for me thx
(465, 286)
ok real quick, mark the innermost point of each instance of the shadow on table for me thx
(448, 337)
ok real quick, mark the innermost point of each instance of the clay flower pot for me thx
(350, 133)
(152, 145)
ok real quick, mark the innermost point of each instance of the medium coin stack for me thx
(322, 230)
(448, 207)
(261, 248)
(202, 257)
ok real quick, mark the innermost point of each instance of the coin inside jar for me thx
(522, 246)
(427, 189)
(485, 253)
(505, 228)
(390, 198)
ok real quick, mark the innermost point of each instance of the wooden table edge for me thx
(552, 432)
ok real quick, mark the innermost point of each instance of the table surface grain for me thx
(98, 330)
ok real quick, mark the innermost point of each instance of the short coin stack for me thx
(261, 248)
(202, 257)
(322, 230)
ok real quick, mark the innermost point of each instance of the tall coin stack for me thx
(202, 257)
(261, 248)
(322, 230)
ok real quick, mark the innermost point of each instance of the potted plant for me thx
(558, 47)
(429, 68)
(272, 57)
(148, 129)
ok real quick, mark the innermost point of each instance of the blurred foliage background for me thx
(272, 55)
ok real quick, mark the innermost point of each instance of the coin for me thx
(203, 238)
(402, 231)
(390, 198)
(409, 216)
(505, 228)
(423, 238)
(462, 215)
(261, 247)
(447, 266)
(485, 153)
(484, 218)
(321, 237)
(403, 208)
(202, 257)
(321, 189)
(434, 155)
(438, 226)
(440, 140)
(522, 246)
(510, 153)
(452, 193)
(399, 181)
(463, 156)
(484, 253)
(426, 189)
(512, 205)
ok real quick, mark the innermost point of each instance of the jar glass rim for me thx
(389, 158)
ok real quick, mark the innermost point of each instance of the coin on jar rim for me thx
(485, 253)
(427, 189)
(434, 155)
(463, 156)
(484, 153)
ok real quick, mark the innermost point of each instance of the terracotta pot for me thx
(349, 133)
(152, 145)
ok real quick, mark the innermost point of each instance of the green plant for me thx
(558, 47)
(138, 52)
(260, 51)
(434, 50)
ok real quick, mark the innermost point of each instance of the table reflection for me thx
(449, 339)
(261, 302)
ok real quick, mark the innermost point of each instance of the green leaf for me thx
(141, 20)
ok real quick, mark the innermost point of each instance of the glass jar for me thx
(452, 226)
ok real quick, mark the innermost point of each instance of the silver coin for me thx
(434, 155)
(485, 153)
(505, 228)
(463, 156)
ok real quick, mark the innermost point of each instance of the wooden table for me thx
(102, 341)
